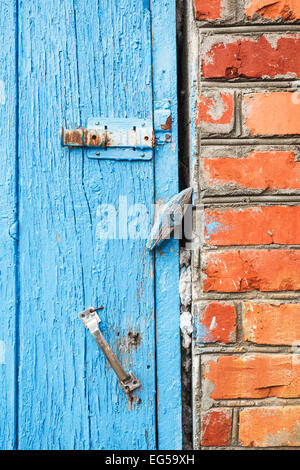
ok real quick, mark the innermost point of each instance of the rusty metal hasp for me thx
(122, 139)
(91, 320)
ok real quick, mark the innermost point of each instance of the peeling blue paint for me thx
(204, 335)
(8, 211)
(169, 419)
(83, 59)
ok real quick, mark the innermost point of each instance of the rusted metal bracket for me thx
(91, 320)
(163, 122)
(124, 133)
(117, 139)
(121, 139)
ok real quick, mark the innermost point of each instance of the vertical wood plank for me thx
(114, 66)
(8, 223)
(167, 257)
(81, 59)
(53, 411)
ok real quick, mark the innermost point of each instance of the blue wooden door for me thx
(63, 62)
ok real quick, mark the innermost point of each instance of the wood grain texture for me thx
(8, 225)
(62, 62)
(81, 59)
(167, 257)
(120, 43)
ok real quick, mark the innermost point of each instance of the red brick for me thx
(280, 9)
(248, 270)
(270, 427)
(268, 170)
(252, 376)
(253, 226)
(271, 324)
(216, 323)
(268, 56)
(216, 427)
(208, 9)
(215, 112)
(271, 113)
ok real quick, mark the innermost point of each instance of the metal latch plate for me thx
(126, 139)
(117, 139)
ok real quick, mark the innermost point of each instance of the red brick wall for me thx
(246, 273)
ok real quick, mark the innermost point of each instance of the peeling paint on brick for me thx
(215, 112)
(274, 10)
(270, 427)
(236, 170)
(215, 322)
(266, 56)
(265, 323)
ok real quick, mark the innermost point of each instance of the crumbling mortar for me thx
(259, 402)
(239, 322)
(196, 376)
(239, 447)
(199, 295)
(242, 349)
(249, 203)
(249, 27)
(185, 290)
(235, 427)
(271, 246)
(242, 83)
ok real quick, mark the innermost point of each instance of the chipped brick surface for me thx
(268, 56)
(280, 10)
(252, 376)
(270, 427)
(268, 170)
(265, 323)
(218, 11)
(216, 427)
(216, 322)
(215, 112)
(257, 225)
(249, 270)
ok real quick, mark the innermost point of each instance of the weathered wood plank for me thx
(78, 60)
(53, 411)
(8, 226)
(167, 256)
(114, 56)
